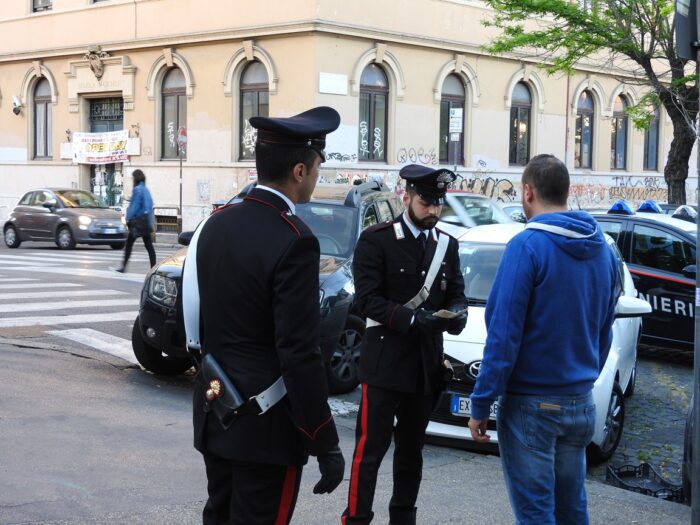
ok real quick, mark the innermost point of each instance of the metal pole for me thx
(179, 154)
(695, 468)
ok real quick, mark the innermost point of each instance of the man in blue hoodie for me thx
(549, 319)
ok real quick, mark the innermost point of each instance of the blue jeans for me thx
(542, 441)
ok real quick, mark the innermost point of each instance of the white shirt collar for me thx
(279, 194)
(414, 229)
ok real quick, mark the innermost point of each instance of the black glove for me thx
(426, 320)
(457, 324)
(332, 467)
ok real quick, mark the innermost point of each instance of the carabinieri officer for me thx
(257, 279)
(401, 357)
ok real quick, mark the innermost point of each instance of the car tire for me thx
(153, 359)
(12, 237)
(341, 369)
(614, 424)
(64, 238)
(117, 245)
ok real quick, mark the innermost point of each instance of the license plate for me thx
(461, 406)
(110, 230)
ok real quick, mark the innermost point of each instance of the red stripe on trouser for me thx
(287, 498)
(359, 453)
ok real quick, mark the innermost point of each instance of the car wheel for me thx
(614, 423)
(117, 245)
(152, 359)
(64, 238)
(11, 237)
(341, 369)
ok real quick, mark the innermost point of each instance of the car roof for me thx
(461, 193)
(662, 218)
(492, 233)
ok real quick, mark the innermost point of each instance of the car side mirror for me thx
(185, 237)
(518, 217)
(49, 205)
(689, 271)
(631, 307)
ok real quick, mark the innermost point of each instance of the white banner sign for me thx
(456, 124)
(100, 148)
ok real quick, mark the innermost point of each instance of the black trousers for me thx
(375, 425)
(147, 243)
(249, 493)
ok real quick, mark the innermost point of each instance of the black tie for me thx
(421, 240)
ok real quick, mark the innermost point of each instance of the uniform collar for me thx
(288, 202)
(413, 228)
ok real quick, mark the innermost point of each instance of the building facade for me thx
(408, 77)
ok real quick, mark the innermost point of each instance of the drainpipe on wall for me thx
(566, 131)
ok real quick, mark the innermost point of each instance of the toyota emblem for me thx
(473, 368)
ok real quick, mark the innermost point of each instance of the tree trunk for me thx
(676, 170)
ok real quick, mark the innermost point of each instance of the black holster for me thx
(222, 397)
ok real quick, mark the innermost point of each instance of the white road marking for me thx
(100, 341)
(28, 286)
(41, 307)
(84, 272)
(15, 279)
(62, 294)
(14, 322)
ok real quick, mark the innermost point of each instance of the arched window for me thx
(520, 110)
(583, 147)
(255, 102)
(651, 142)
(374, 95)
(452, 121)
(618, 138)
(42, 120)
(174, 114)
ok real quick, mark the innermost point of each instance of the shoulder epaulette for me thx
(381, 226)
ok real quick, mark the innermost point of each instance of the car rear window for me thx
(479, 262)
(334, 226)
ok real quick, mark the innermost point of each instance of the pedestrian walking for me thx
(251, 276)
(549, 317)
(404, 271)
(139, 219)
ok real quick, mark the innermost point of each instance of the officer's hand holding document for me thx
(449, 314)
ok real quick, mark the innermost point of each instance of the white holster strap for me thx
(191, 311)
(424, 293)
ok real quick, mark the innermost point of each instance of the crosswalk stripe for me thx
(84, 272)
(62, 294)
(27, 286)
(66, 260)
(14, 322)
(15, 279)
(44, 306)
(104, 342)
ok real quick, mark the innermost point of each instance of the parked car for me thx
(481, 249)
(660, 253)
(469, 209)
(337, 215)
(65, 216)
(514, 210)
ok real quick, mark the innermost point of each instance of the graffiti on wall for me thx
(341, 157)
(416, 156)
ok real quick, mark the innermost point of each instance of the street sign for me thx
(182, 137)
(686, 29)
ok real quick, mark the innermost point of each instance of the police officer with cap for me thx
(405, 273)
(257, 277)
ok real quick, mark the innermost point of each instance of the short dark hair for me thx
(274, 163)
(139, 177)
(549, 176)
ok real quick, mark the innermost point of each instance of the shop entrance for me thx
(107, 114)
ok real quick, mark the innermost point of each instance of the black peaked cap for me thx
(429, 183)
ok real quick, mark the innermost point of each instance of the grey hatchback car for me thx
(65, 216)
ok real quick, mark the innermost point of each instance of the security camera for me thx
(16, 105)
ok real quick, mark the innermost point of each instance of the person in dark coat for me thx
(139, 219)
(401, 357)
(257, 271)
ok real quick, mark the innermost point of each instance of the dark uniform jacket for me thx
(388, 272)
(257, 268)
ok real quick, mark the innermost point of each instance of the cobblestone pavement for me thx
(655, 414)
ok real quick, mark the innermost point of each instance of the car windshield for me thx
(80, 199)
(333, 225)
(482, 211)
(479, 262)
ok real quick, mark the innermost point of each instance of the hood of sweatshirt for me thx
(574, 232)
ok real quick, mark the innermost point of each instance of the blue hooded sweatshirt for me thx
(550, 312)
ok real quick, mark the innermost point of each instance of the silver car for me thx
(65, 216)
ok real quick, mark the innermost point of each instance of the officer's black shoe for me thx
(119, 269)
(406, 518)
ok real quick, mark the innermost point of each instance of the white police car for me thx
(481, 249)
(660, 252)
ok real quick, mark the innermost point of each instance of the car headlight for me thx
(162, 289)
(84, 220)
